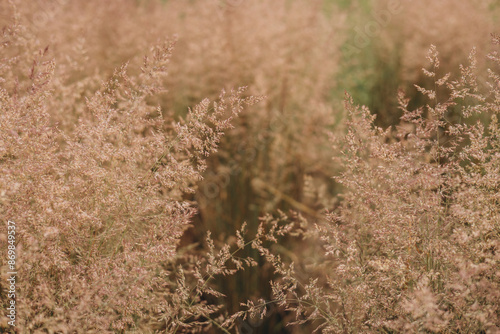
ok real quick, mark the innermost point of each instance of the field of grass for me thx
(250, 166)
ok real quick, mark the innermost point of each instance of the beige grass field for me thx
(249, 166)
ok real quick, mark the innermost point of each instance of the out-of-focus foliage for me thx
(114, 164)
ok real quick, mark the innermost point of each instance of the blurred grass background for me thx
(302, 55)
(299, 54)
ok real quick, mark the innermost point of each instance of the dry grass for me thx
(150, 193)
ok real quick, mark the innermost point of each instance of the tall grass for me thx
(153, 195)
(413, 246)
